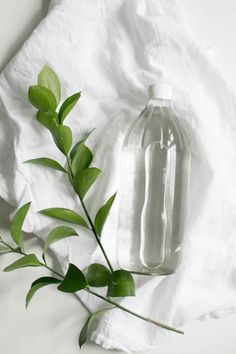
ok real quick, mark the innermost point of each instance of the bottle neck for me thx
(159, 102)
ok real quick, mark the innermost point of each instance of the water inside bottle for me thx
(154, 184)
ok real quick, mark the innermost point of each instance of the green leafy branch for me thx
(45, 96)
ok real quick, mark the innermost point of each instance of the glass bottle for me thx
(154, 178)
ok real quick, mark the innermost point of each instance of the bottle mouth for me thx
(160, 91)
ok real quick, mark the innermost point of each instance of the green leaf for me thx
(37, 284)
(102, 215)
(74, 280)
(75, 147)
(85, 179)
(82, 158)
(17, 223)
(47, 78)
(64, 215)
(121, 283)
(41, 98)
(63, 138)
(67, 106)
(85, 331)
(27, 261)
(47, 162)
(47, 119)
(58, 233)
(4, 249)
(98, 275)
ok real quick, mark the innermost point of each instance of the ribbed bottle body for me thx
(154, 178)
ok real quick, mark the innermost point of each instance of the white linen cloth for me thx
(112, 51)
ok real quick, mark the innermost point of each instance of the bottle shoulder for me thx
(157, 124)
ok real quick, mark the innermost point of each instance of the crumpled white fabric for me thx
(112, 51)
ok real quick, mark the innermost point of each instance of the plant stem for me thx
(134, 313)
(96, 235)
(19, 251)
(53, 271)
(90, 220)
(106, 299)
(156, 323)
(6, 244)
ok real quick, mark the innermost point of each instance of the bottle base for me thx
(151, 272)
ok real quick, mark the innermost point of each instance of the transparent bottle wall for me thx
(153, 192)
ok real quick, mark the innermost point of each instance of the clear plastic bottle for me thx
(155, 169)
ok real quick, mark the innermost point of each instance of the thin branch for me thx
(70, 172)
(106, 299)
(159, 324)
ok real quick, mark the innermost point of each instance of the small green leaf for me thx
(63, 138)
(82, 158)
(85, 179)
(47, 119)
(102, 215)
(27, 261)
(47, 78)
(4, 249)
(121, 283)
(67, 106)
(98, 275)
(75, 147)
(64, 215)
(74, 280)
(37, 284)
(47, 162)
(41, 98)
(57, 234)
(17, 223)
(85, 331)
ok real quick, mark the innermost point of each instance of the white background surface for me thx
(53, 321)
